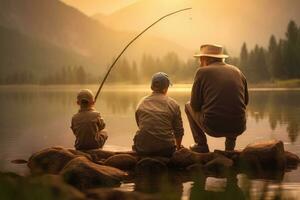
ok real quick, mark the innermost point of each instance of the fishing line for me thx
(136, 37)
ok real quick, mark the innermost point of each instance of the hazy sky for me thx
(226, 22)
(91, 7)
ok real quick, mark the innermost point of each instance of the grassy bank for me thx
(292, 83)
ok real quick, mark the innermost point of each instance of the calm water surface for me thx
(36, 117)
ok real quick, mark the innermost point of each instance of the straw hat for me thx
(211, 50)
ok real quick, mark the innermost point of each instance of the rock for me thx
(264, 156)
(164, 160)
(99, 154)
(99, 162)
(150, 167)
(121, 161)
(50, 160)
(9, 179)
(39, 187)
(222, 161)
(54, 187)
(232, 155)
(185, 157)
(83, 174)
(80, 153)
(104, 194)
(132, 153)
(292, 160)
(229, 154)
(195, 168)
(11, 186)
(220, 165)
(204, 158)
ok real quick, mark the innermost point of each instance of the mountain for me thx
(69, 34)
(20, 53)
(137, 15)
(229, 22)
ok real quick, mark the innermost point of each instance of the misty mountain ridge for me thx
(21, 53)
(54, 25)
(229, 24)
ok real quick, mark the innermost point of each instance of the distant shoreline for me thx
(291, 83)
(125, 87)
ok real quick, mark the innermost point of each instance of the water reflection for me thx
(202, 190)
(278, 107)
(121, 103)
(200, 186)
(165, 187)
(39, 117)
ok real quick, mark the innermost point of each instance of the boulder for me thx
(10, 184)
(220, 160)
(264, 156)
(229, 154)
(232, 155)
(52, 187)
(38, 187)
(104, 194)
(132, 153)
(164, 160)
(150, 167)
(84, 174)
(185, 157)
(50, 160)
(99, 154)
(121, 161)
(292, 160)
(80, 153)
(219, 166)
(100, 162)
(195, 169)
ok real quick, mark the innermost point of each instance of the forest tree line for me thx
(279, 61)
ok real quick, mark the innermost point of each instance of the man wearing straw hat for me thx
(218, 100)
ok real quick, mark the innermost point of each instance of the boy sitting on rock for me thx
(87, 125)
(158, 117)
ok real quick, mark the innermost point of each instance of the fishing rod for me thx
(136, 37)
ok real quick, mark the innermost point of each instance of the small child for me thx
(87, 125)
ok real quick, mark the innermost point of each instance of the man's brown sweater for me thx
(220, 93)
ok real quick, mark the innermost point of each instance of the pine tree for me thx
(244, 58)
(272, 50)
(80, 75)
(262, 67)
(149, 66)
(135, 73)
(290, 50)
(298, 54)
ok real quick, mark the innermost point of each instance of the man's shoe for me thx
(199, 148)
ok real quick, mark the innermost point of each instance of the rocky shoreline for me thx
(70, 174)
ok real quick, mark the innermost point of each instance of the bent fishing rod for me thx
(135, 38)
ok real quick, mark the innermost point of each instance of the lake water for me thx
(36, 117)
